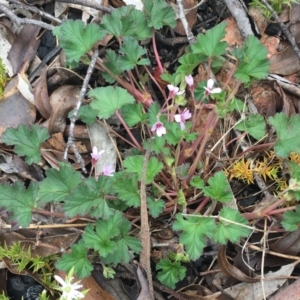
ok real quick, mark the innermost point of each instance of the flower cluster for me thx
(107, 170)
(184, 115)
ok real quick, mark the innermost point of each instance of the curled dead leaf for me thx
(62, 101)
(231, 270)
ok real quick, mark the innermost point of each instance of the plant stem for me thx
(129, 131)
(209, 128)
(161, 68)
(142, 98)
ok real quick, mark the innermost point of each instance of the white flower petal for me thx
(160, 131)
(210, 83)
(189, 80)
(95, 150)
(216, 91)
(172, 88)
(177, 118)
(60, 280)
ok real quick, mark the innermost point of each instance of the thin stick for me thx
(145, 229)
(184, 22)
(89, 3)
(19, 21)
(74, 118)
(285, 31)
(45, 15)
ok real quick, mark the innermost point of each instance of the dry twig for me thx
(89, 3)
(20, 21)
(70, 143)
(284, 29)
(145, 229)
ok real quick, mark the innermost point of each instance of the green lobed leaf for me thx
(253, 60)
(77, 39)
(152, 113)
(133, 114)
(19, 201)
(188, 62)
(219, 188)
(174, 133)
(125, 244)
(76, 259)
(236, 105)
(126, 187)
(132, 52)
(58, 184)
(291, 220)
(294, 169)
(113, 23)
(227, 231)
(158, 145)
(87, 115)
(155, 206)
(27, 141)
(139, 22)
(159, 14)
(254, 125)
(112, 62)
(288, 134)
(134, 164)
(210, 44)
(194, 233)
(200, 91)
(102, 238)
(124, 22)
(109, 99)
(197, 182)
(170, 272)
(87, 198)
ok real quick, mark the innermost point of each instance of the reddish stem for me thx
(203, 203)
(209, 128)
(129, 131)
(142, 98)
(161, 69)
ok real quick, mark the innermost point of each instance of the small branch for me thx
(89, 3)
(184, 22)
(238, 12)
(285, 31)
(17, 4)
(70, 142)
(253, 247)
(145, 254)
(19, 21)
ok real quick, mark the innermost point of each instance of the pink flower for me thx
(108, 170)
(190, 81)
(96, 155)
(209, 88)
(159, 128)
(180, 118)
(174, 91)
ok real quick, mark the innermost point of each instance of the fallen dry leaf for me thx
(41, 96)
(62, 101)
(14, 108)
(244, 290)
(24, 47)
(231, 270)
